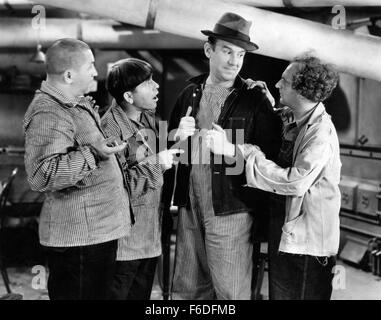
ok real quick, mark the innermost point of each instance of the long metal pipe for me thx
(26, 4)
(307, 3)
(18, 33)
(277, 35)
(15, 4)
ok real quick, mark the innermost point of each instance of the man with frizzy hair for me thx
(69, 159)
(311, 231)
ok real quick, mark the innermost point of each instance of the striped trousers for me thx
(213, 258)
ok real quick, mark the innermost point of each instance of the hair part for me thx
(65, 54)
(125, 75)
(314, 80)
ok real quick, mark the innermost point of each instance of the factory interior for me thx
(167, 35)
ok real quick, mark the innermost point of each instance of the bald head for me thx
(65, 54)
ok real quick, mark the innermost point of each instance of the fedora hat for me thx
(234, 29)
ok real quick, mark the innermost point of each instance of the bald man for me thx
(68, 158)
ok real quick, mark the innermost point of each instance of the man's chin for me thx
(150, 109)
(230, 76)
(92, 87)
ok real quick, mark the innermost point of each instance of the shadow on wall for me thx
(338, 107)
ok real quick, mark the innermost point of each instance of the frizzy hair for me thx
(314, 80)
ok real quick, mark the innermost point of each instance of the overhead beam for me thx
(18, 33)
(307, 3)
(277, 35)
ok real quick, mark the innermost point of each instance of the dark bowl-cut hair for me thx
(126, 75)
(314, 80)
(65, 54)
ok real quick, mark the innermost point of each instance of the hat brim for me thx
(248, 46)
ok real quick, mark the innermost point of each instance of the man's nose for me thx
(233, 59)
(277, 85)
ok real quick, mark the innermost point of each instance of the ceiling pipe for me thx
(307, 3)
(277, 35)
(26, 4)
(15, 5)
(104, 34)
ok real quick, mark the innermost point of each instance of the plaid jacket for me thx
(86, 202)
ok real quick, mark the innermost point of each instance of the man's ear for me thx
(207, 49)
(68, 76)
(128, 97)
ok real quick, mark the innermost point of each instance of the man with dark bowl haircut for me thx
(67, 157)
(311, 231)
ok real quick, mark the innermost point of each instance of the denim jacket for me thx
(145, 177)
(311, 186)
(261, 126)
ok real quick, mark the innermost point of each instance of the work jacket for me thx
(248, 110)
(311, 187)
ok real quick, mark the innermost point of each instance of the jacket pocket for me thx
(290, 226)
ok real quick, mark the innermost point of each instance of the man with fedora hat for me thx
(214, 244)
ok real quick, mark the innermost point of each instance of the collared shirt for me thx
(86, 202)
(211, 102)
(311, 185)
(84, 101)
(145, 176)
(60, 95)
(303, 118)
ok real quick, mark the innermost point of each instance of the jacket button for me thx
(274, 190)
(194, 95)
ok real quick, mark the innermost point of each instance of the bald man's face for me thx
(84, 74)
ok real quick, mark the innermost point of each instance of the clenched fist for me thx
(218, 143)
(166, 157)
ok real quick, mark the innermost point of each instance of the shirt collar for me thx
(201, 79)
(60, 96)
(310, 116)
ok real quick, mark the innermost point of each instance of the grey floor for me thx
(349, 284)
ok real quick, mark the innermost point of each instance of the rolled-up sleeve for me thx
(53, 161)
(294, 181)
